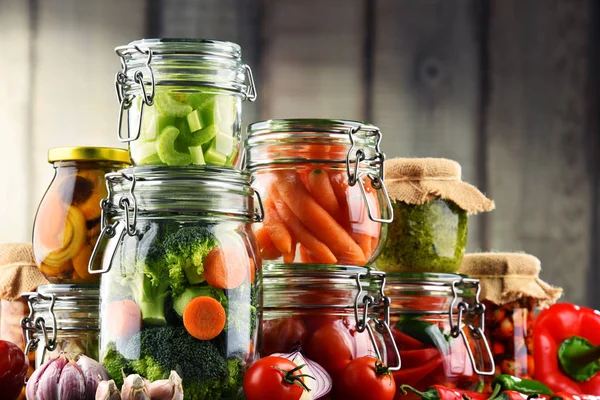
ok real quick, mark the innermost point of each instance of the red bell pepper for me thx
(566, 349)
(438, 392)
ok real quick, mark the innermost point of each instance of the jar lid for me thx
(86, 153)
(210, 190)
(302, 140)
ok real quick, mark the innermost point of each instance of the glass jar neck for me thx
(88, 164)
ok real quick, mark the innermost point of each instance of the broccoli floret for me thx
(192, 292)
(185, 251)
(173, 348)
(147, 367)
(196, 390)
(115, 364)
(236, 376)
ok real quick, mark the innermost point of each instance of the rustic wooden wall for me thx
(505, 87)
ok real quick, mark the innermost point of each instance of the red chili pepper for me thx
(439, 392)
(414, 375)
(566, 349)
(514, 395)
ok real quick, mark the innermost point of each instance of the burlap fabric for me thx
(18, 270)
(506, 277)
(417, 180)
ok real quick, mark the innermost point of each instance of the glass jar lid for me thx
(186, 190)
(284, 141)
(87, 153)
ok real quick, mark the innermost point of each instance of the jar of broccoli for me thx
(181, 101)
(178, 289)
(323, 189)
(431, 204)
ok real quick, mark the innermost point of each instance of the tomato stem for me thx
(291, 379)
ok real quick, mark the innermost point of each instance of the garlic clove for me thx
(167, 389)
(107, 390)
(93, 371)
(71, 385)
(135, 388)
(47, 388)
(33, 382)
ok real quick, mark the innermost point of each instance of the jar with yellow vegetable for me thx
(512, 291)
(67, 223)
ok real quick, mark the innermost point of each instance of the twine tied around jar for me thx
(418, 180)
(18, 270)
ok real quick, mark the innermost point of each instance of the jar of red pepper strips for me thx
(322, 185)
(320, 311)
(511, 290)
(435, 324)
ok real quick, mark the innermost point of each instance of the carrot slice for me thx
(277, 231)
(125, 318)
(320, 187)
(225, 268)
(270, 252)
(320, 252)
(315, 218)
(262, 237)
(204, 318)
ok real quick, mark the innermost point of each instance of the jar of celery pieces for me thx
(436, 316)
(181, 101)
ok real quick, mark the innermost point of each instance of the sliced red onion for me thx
(322, 383)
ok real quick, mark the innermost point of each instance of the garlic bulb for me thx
(167, 389)
(135, 388)
(108, 390)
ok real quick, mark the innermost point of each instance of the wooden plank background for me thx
(505, 87)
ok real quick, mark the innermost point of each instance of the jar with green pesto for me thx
(431, 206)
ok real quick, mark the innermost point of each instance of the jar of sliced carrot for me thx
(179, 261)
(435, 321)
(322, 186)
(320, 311)
(62, 319)
(67, 223)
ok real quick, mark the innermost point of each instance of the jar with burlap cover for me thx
(431, 204)
(511, 290)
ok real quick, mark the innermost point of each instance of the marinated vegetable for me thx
(183, 316)
(67, 223)
(430, 237)
(183, 128)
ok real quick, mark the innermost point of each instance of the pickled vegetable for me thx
(188, 128)
(430, 237)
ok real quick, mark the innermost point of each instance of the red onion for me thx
(322, 383)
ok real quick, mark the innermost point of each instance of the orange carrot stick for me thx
(277, 231)
(320, 187)
(305, 255)
(319, 250)
(262, 237)
(204, 318)
(364, 241)
(270, 252)
(320, 223)
(225, 268)
(340, 187)
(289, 258)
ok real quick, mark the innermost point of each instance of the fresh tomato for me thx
(13, 368)
(280, 335)
(366, 378)
(273, 378)
(331, 347)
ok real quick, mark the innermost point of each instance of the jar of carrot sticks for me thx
(322, 186)
(511, 290)
(67, 223)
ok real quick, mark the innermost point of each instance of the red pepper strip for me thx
(439, 392)
(405, 342)
(554, 326)
(569, 396)
(414, 358)
(514, 395)
(414, 375)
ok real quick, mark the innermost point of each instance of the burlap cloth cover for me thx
(18, 270)
(417, 180)
(506, 277)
